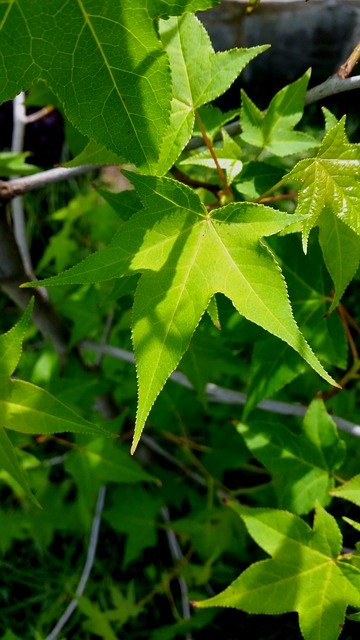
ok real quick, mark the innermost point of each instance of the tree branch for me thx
(11, 188)
(221, 395)
(94, 536)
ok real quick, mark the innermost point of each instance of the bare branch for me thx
(12, 188)
(94, 536)
(331, 86)
(221, 395)
(177, 556)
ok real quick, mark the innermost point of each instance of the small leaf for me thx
(301, 556)
(340, 247)
(10, 462)
(13, 164)
(349, 490)
(273, 129)
(11, 343)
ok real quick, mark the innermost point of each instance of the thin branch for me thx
(177, 557)
(220, 395)
(346, 68)
(331, 86)
(17, 205)
(94, 536)
(209, 145)
(12, 188)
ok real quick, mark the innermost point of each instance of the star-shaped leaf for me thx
(186, 255)
(302, 466)
(305, 573)
(273, 129)
(199, 75)
(329, 195)
(110, 72)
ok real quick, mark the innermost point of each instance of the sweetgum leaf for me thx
(302, 466)
(329, 193)
(349, 490)
(307, 291)
(329, 181)
(10, 463)
(110, 72)
(186, 255)
(11, 343)
(27, 408)
(273, 129)
(199, 75)
(304, 573)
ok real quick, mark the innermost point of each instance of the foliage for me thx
(222, 279)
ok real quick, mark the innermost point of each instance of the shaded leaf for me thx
(301, 466)
(10, 463)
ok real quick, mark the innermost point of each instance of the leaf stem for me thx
(210, 146)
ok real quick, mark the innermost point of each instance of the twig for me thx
(346, 68)
(331, 86)
(94, 536)
(17, 205)
(178, 557)
(209, 145)
(221, 395)
(18, 186)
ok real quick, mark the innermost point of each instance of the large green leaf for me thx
(187, 255)
(109, 72)
(274, 129)
(199, 75)
(304, 573)
(302, 466)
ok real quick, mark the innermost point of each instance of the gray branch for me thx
(91, 552)
(221, 395)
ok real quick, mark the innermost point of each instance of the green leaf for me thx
(340, 247)
(30, 409)
(273, 129)
(199, 75)
(329, 182)
(134, 511)
(307, 292)
(301, 466)
(11, 343)
(349, 490)
(118, 96)
(109, 462)
(13, 164)
(10, 462)
(187, 255)
(304, 573)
